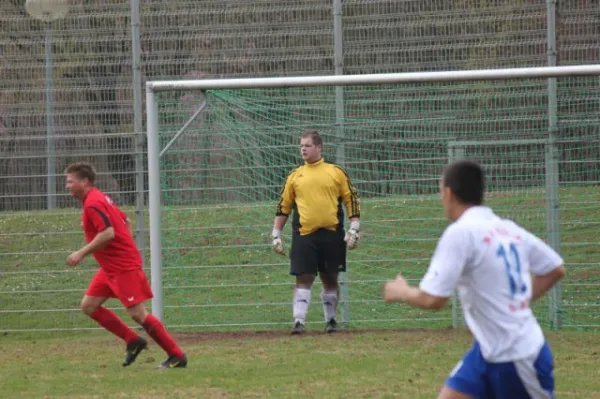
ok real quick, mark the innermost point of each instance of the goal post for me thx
(524, 164)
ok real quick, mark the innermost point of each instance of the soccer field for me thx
(369, 364)
(192, 113)
(219, 272)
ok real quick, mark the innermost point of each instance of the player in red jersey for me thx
(108, 236)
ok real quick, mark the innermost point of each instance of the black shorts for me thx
(323, 251)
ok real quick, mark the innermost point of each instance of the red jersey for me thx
(99, 213)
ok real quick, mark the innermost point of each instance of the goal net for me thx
(219, 152)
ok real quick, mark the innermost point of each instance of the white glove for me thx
(277, 243)
(352, 236)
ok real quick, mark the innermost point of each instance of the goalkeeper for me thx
(315, 193)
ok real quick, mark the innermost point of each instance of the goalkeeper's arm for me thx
(279, 222)
(278, 225)
(349, 194)
(353, 235)
(284, 208)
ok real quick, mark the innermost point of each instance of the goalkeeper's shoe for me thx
(134, 349)
(173, 362)
(298, 328)
(331, 326)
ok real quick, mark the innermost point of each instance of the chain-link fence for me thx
(67, 87)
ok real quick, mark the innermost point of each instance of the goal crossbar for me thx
(382, 78)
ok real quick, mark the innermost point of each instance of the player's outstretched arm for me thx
(541, 284)
(440, 281)
(398, 290)
(100, 241)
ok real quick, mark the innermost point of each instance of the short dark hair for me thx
(314, 135)
(465, 178)
(82, 170)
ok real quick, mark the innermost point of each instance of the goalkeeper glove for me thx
(352, 236)
(277, 243)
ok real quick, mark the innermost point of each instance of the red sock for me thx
(109, 320)
(159, 333)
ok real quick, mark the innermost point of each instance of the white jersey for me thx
(489, 261)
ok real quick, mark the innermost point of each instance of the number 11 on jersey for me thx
(514, 273)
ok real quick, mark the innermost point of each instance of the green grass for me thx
(408, 364)
(219, 272)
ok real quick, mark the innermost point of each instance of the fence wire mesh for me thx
(92, 92)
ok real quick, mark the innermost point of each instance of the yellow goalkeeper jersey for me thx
(315, 193)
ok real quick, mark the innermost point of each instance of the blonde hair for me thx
(314, 135)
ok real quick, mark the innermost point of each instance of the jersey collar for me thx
(476, 212)
(316, 163)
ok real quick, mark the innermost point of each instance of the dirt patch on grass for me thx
(447, 334)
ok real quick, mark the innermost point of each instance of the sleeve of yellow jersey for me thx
(349, 194)
(287, 198)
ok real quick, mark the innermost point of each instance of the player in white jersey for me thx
(498, 268)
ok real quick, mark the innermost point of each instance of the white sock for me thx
(329, 299)
(301, 302)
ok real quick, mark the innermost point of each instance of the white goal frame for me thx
(155, 152)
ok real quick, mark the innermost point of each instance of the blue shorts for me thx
(522, 379)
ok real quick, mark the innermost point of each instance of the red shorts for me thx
(130, 287)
